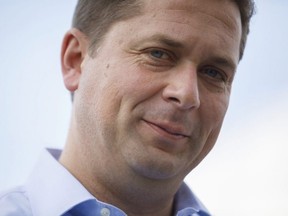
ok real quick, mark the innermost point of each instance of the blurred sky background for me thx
(247, 171)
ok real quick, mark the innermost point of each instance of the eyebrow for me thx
(168, 41)
(163, 39)
(225, 61)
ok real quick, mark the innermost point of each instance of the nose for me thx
(182, 89)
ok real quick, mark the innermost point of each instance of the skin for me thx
(150, 103)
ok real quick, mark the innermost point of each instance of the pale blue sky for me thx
(246, 173)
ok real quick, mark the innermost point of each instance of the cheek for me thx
(214, 112)
(133, 84)
(214, 107)
(212, 115)
(92, 93)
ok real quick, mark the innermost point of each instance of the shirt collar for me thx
(186, 203)
(52, 190)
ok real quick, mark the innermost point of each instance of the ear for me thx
(74, 48)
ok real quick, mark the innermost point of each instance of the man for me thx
(151, 82)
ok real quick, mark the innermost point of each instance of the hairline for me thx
(94, 42)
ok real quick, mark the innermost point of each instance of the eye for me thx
(158, 59)
(214, 74)
(159, 54)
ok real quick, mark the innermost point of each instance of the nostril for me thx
(184, 104)
(173, 99)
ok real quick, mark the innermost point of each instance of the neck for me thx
(133, 196)
(116, 184)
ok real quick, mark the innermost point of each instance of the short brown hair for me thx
(95, 17)
(247, 10)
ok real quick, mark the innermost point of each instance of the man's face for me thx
(154, 96)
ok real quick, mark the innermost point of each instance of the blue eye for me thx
(215, 74)
(159, 54)
(211, 72)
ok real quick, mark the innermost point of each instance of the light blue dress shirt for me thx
(52, 191)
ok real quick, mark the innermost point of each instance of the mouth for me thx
(168, 130)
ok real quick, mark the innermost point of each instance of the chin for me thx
(158, 167)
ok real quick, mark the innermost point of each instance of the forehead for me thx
(220, 12)
(216, 20)
(196, 25)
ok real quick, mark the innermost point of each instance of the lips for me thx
(169, 129)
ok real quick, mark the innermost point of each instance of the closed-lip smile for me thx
(171, 129)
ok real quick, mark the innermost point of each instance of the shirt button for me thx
(105, 212)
